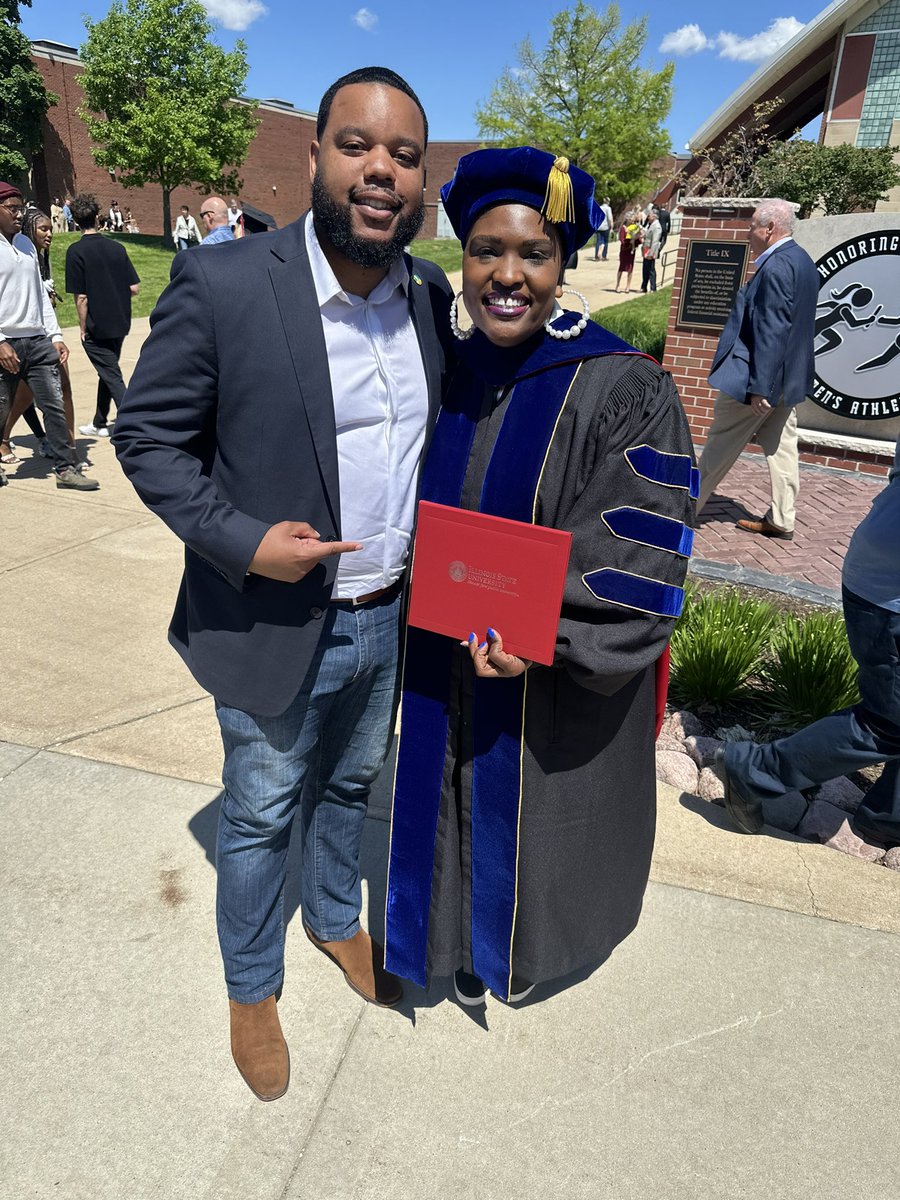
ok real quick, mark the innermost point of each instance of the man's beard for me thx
(334, 221)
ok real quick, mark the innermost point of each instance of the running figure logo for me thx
(857, 335)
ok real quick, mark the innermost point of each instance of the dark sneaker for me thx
(71, 477)
(470, 990)
(744, 811)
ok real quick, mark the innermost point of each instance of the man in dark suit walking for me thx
(763, 368)
(275, 421)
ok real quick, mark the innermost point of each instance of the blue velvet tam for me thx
(564, 194)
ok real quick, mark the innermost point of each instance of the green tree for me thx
(160, 98)
(23, 98)
(585, 95)
(835, 179)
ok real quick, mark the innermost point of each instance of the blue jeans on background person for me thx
(602, 238)
(845, 741)
(324, 752)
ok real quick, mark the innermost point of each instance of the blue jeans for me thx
(602, 239)
(323, 753)
(867, 733)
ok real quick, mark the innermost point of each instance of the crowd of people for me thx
(524, 799)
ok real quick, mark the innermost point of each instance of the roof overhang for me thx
(805, 61)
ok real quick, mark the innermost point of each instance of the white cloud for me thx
(235, 14)
(689, 39)
(365, 19)
(761, 45)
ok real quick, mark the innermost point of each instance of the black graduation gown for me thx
(573, 859)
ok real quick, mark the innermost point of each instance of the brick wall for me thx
(278, 158)
(689, 354)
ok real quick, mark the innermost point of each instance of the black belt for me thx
(381, 593)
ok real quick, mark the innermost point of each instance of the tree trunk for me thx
(167, 219)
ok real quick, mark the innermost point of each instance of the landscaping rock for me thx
(678, 770)
(735, 733)
(710, 786)
(682, 724)
(841, 793)
(702, 749)
(892, 858)
(785, 812)
(670, 741)
(828, 824)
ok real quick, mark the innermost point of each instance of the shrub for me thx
(809, 673)
(717, 645)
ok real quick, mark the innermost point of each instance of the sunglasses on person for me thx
(13, 208)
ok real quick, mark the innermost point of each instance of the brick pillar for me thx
(689, 352)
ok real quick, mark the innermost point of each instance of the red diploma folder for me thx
(472, 571)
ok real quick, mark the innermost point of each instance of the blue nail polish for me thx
(471, 637)
(483, 646)
(491, 634)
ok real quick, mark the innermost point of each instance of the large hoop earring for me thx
(577, 329)
(461, 335)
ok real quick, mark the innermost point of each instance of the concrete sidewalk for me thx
(739, 1044)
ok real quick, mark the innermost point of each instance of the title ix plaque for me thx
(713, 274)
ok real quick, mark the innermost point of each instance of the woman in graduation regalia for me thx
(524, 805)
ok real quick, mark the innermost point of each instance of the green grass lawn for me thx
(641, 321)
(446, 252)
(152, 261)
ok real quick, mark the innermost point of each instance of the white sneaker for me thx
(93, 431)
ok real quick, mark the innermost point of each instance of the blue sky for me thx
(453, 53)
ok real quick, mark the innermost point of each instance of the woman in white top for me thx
(186, 232)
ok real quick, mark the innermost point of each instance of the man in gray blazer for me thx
(275, 422)
(763, 368)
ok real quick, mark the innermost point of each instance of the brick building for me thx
(275, 172)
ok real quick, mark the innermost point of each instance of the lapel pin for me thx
(417, 279)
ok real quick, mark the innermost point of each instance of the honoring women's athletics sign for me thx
(713, 273)
(857, 342)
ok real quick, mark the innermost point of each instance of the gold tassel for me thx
(559, 200)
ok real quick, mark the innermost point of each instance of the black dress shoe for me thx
(470, 990)
(745, 812)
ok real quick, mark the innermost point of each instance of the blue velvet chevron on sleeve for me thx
(649, 529)
(668, 470)
(635, 591)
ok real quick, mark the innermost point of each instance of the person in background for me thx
(214, 215)
(629, 240)
(57, 219)
(130, 223)
(67, 215)
(102, 278)
(236, 218)
(861, 736)
(650, 251)
(763, 368)
(31, 341)
(116, 220)
(37, 227)
(605, 229)
(665, 221)
(186, 232)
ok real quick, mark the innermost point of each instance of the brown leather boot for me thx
(362, 961)
(258, 1047)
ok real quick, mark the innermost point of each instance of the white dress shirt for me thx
(25, 308)
(380, 409)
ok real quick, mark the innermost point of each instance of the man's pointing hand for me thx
(291, 549)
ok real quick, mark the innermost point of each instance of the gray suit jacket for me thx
(227, 428)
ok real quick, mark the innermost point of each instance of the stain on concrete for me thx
(171, 891)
